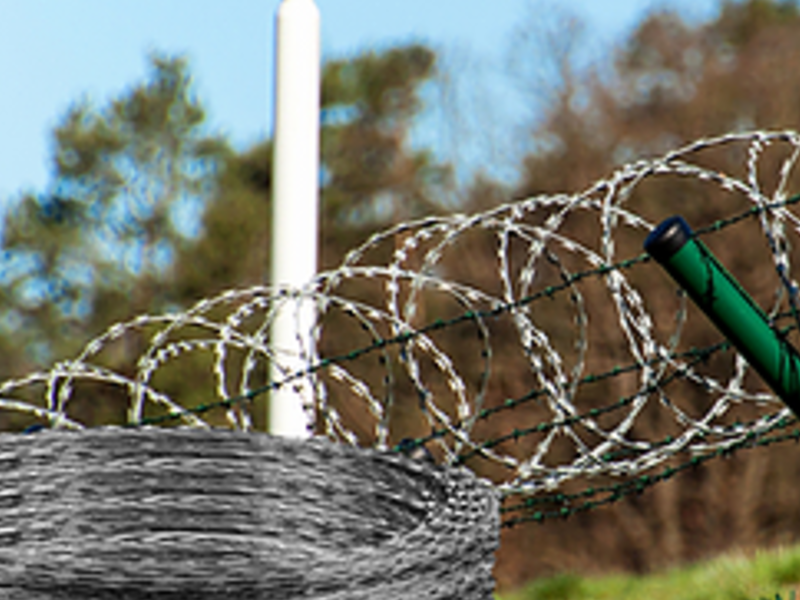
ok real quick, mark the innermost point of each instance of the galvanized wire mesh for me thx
(192, 513)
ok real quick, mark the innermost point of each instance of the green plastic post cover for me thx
(728, 306)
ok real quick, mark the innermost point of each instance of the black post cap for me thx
(667, 238)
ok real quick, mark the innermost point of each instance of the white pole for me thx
(295, 202)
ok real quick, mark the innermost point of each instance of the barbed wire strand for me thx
(538, 224)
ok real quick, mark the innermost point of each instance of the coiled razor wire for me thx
(192, 513)
(396, 294)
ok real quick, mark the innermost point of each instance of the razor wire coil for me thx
(452, 408)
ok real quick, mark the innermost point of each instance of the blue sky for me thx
(53, 52)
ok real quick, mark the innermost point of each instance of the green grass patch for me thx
(767, 575)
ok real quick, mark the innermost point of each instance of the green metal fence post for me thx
(728, 306)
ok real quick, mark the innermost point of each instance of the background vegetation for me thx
(145, 212)
(763, 575)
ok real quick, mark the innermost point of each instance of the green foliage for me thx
(740, 22)
(232, 249)
(731, 577)
(380, 85)
(146, 212)
(782, 568)
(372, 176)
(564, 586)
(103, 235)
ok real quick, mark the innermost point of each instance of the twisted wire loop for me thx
(571, 357)
(190, 513)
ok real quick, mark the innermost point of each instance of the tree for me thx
(371, 177)
(232, 248)
(670, 83)
(369, 104)
(128, 179)
(146, 212)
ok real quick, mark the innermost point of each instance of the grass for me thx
(766, 575)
